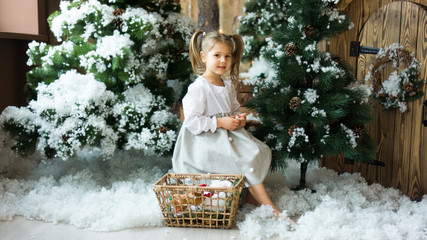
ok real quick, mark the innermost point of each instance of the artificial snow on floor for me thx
(114, 194)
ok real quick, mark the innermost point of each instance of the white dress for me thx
(202, 148)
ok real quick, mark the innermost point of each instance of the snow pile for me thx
(343, 207)
(85, 192)
(262, 223)
(80, 201)
(253, 76)
(111, 195)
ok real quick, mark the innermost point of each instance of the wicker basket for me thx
(186, 202)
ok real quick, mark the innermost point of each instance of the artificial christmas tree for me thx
(308, 101)
(110, 83)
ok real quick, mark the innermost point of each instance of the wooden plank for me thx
(208, 17)
(343, 4)
(372, 35)
(190, 8)
(404, 158)
(368, 8)
(398, 171)
(226, 15)
(365, 36)
(21, 36)
(389, 119)
(419, 166)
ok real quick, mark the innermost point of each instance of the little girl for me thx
(212, 138)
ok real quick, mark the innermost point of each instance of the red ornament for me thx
(206, 194)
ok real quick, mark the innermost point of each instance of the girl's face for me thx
(217, 60)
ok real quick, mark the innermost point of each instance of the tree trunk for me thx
(208, 19)
(303, 169)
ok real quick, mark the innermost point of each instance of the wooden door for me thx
(400, 138)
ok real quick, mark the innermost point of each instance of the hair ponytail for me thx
(195, 58)
(237, 55)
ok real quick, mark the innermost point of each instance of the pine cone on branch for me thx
(308, 30)
(408, 87)
(291, 49)
(170, 30)
(295, 103)
(331, 5)
(291, 130)
(163, 129)
(118, 11)
(118, 23)
(359, 131)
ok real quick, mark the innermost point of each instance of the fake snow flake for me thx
(298, 132)
(391, 85)
(318, 112)
(298, 58)
(327, 129)
(260, 66)
(311, 95)
(66, 94)
(70, 17)
(271, 136)
(334, 15)
(315, 66)
(350, 135)
(111, 46)
(278, 146)
(311, 47)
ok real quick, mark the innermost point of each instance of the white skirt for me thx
(222, 152)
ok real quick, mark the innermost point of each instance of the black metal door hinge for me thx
(356, 49)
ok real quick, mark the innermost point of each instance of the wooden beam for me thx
(22, 36)
(343, 4)
(208, 19)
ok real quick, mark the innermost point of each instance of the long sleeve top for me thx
(204, 99)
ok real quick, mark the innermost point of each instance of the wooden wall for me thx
(13, 71)
(401, 139)
(359, 11)
(13, 46)
(229, 11)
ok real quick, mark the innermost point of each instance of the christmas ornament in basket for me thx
(199, 200)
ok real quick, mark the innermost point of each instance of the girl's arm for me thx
(194, 105)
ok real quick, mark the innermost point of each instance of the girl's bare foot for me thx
(277, 214)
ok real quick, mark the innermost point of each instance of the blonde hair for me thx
(204, 42)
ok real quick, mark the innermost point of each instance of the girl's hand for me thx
(229, 123)
(242, 118)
